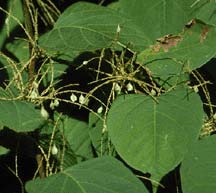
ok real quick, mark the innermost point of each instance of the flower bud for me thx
(73, 98)
(54, 149)
(44, 113)
(100, 110)
(129, 87)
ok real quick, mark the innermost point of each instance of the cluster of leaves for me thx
(104, 98)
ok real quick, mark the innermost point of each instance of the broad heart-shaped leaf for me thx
(20, 116)
(191, 49)
(77, 134)
(99, 175)
(158, 18)
(154, 136)
(198, 169)
(86, 27)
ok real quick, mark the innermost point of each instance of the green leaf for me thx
(65, 156)
(86, 27)
(191, 49)
(99, 138)
(101, 175)
(19, 52)
(3, 150)
(154, 136)
(77, 134)
(198, 171)
(15, 10)
(207, 13)
(53, 72)
(19, 49)
(168, 72)
(158, 18)
(18, 115)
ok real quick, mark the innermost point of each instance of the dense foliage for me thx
(110, 96)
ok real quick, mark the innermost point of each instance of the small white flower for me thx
(117, 88)
(44, 113)
(118, 29)
(54, 104)
(54, 149)
(129, 87)
(196, 89)
(153, 92)
(85, 62)
(34, 94)
(100, 110)
(83, 100)
(73, 98)
(214, 116)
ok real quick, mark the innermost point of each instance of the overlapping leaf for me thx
(99, 138)
(207, 13)
(19, 115)
(189, 50)
(154, 136)
(101, 175)
(158, 18)
(14, 14)
(77, 134)
(198, 171)
(85, 27)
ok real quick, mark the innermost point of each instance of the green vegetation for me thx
(107, 96)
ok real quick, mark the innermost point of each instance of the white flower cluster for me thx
(82, 100)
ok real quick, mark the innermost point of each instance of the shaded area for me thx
(206, 73)
(19, 164)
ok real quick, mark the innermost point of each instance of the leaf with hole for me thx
(194, 48)
(158, 18)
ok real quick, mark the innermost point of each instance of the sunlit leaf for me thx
(195, 47)
(158, 18)
(198, 171)
(86, 27)
(207, 13)
(101, 175)
(153, 136)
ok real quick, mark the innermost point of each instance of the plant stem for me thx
(29, 27)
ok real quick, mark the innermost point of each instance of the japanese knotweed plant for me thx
(108, 98)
